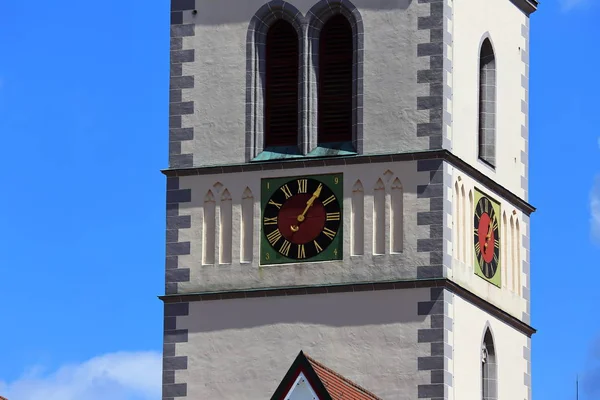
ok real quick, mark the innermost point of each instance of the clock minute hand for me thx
(310, 202)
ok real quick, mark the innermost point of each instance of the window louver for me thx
(335, 81)
(281, 94)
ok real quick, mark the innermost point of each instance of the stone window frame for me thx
(317, 16)
(489, 367)
(480, 156)
(308, 29)
(256, 42)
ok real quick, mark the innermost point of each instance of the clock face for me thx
(487, 239)
(301, 219)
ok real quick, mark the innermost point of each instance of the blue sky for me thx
(83, 116)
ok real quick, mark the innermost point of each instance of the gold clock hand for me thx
(309, 204)
(489, 235)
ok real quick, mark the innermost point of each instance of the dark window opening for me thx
(489, 369)
(487, 103)
(281, 86)
(335, 81)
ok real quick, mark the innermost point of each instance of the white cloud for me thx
(115, 376)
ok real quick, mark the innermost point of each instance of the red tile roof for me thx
(338, 387)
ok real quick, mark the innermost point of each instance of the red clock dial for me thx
(486, 238)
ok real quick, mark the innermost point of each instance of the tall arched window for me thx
(335, 81)
(489, 368)
(281, 86)
(487, 103)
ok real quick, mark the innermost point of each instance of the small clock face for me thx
(301, 219)
(486, 238)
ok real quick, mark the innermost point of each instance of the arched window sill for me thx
(333, 149)
(278, 153)
(291, 152)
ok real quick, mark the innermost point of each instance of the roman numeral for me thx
(329, 200)
(285, 248)
(270, 221)
(486, 269)
(319, 249)
(494, 223)
(271, 202)
(496, 243)
(477, 247)
(302, 185)
(334, 216)
(274, 236)
(301, 253)
(496, 258)
(286, 190)
(329, 233)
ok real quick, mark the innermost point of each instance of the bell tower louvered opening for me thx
(281, 94)
(335, 81)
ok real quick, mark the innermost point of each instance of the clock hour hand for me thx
(488, 236)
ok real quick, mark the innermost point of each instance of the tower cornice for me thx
(444, 283)
(527, 6)
(442, 154)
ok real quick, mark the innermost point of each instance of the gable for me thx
(308, 379)
(301, 390)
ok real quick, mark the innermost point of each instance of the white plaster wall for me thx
(367, 267)
(368, 337)
(469, 323)
(390, 69)
(463, 272)
(501, 20)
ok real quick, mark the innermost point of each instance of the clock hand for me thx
(489, 235)
(309, 204)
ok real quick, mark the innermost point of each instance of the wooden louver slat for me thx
(335, 81)
(281, 86)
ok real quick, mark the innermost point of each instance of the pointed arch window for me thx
(335, 81)
(487, 103)
(489, 368)
(281, 85)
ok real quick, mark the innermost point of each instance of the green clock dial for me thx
(301, 219)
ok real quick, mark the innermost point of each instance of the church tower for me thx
(348, 179)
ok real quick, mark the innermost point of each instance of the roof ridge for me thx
(351, 383)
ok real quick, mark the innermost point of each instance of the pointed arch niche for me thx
(397, 217)
(517, 257)
(379, 218)
(358, 219)
(511, 268)
(208, 231)
(456, 231)
(247, 228)
(469, 223)
(225, 230)
(504, 256)
(463, 221)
